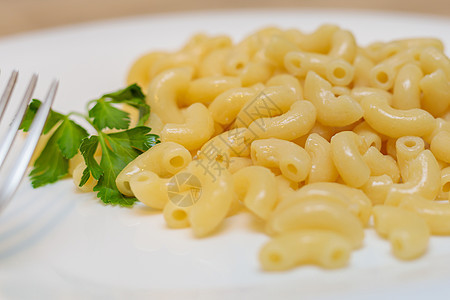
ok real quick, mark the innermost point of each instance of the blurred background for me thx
(24, 15)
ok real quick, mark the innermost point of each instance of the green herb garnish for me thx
(118, 148)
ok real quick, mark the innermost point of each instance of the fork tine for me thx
(14, 126)
(7, 93)
(10, 185)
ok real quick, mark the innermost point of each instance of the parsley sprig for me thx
(118, 148)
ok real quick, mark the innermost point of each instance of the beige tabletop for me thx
(23, 15)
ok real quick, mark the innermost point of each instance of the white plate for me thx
(56, 243)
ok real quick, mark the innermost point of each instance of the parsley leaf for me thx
(53, 162)
(52, 120)
(133, 96)
(118, 150)
(51, 165)
(71, 136)
(87, 149)
(105, 115)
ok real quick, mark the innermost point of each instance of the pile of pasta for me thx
(315, 135)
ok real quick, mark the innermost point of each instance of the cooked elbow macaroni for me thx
(310, 132)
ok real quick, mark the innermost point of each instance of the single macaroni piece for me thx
(370, 136)
(164, 159)
(354, 200)
(407, 92)
(436, 93)
(346, 149)
(322, 165)
(343, 45)
(164, 92)
(176, 216)
(362, 65)
(436, 214)
(395, 122)
(197, 129)
(317, 214)
(206, 89)
(227, 105)
(150, 189)
(444, 194)
(335, 70)
(331, 110)
(377, 188)
(440, 146)
(408, 233)
(292, 160)
(424, 179)
(256, 188)
(320, 40)
(270, 102)
(380, 164)
(407, 148)
(294, 123)
(321, 247)
(216, 198)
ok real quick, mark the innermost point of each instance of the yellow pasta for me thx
(352, 199)
(395, 122)
(346, 152)
(317, 214)
(322, 165)
(436, 214)
(197, 129)
(311, 133)
(256, 188)
(407, 232)
(322, 247)
(424, 179)
(331, 110)
(292, 160)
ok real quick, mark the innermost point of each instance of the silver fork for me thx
(12, 172)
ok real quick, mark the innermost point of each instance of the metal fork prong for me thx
(10, 185)
(18, 117)
(7, 93)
